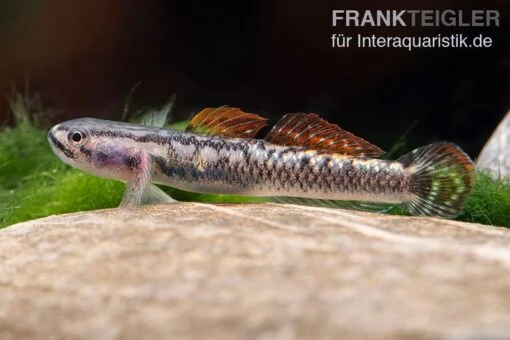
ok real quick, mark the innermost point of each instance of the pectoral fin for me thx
(139, 181)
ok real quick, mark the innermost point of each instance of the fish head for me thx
(87, 144)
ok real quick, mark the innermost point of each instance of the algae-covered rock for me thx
(188, 270)
(495, 155)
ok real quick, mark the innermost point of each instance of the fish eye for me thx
(76, 137)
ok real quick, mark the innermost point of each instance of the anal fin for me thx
(312, 132)
(351, 205)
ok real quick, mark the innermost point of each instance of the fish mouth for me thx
(57, 146)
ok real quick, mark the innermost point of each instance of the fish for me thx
(303, 159)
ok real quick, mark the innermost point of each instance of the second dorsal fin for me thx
(226, 121)
(312, 132)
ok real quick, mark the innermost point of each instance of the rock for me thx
(495, 155)
(259, 271)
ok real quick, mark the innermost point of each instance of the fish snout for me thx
(52, 139)
(57, 144)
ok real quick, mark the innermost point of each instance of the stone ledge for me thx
(252, 271)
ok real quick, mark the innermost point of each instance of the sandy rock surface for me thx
(261, 271)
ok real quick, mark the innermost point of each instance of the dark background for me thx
(270, 57)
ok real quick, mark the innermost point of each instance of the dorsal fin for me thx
(226, 121)
(311, 131)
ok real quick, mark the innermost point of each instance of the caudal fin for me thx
(441, 178)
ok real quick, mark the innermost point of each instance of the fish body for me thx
(432, 180)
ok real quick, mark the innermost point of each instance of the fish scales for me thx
(261, 169)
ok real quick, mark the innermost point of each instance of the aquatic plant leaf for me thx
(158, 118)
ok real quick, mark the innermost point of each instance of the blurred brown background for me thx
(270, 57)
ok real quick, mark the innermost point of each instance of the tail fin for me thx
(441, 178)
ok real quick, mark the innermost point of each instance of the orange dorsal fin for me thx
(312, 132)
(226, 121)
